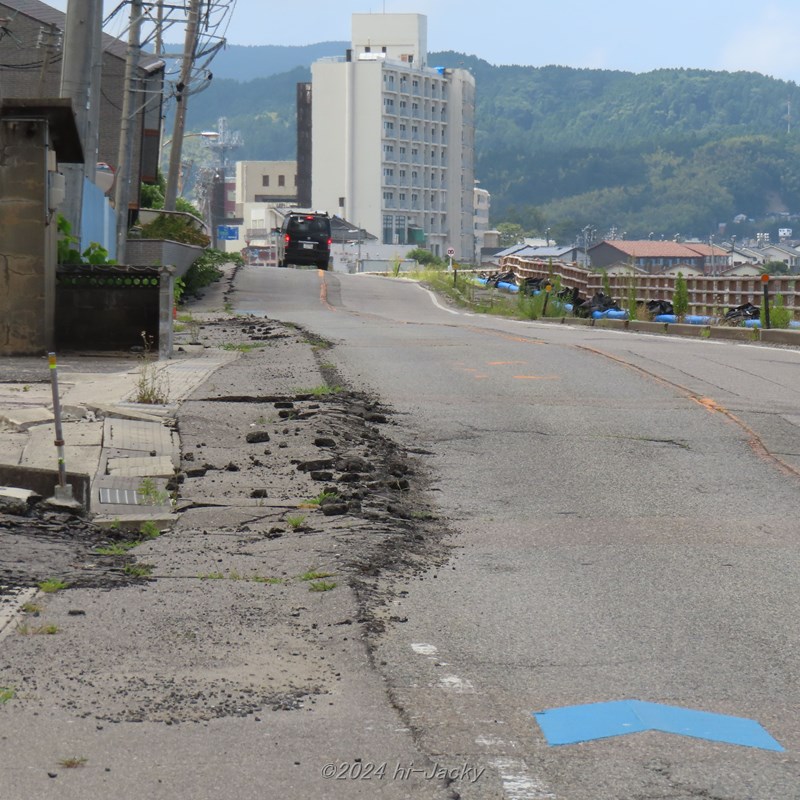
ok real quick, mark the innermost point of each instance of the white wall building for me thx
(481, 205)
(393, 140)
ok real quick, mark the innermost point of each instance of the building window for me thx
(389, 126)
(281, 180)
(265, 180)
(400, 227)
(402, 151)
(388, 229)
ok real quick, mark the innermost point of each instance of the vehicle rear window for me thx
(301, 225)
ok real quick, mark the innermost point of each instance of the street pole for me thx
(182, 99)
(122, 191)
(84, 18)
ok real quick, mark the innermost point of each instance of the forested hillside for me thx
(669, 151)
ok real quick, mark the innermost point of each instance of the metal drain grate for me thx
(120, 497)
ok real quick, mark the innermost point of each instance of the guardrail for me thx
(708, 294)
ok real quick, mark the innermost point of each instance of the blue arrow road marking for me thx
(572, 724)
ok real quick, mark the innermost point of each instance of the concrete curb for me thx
(783, 336)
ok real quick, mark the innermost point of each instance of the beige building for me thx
(393, 139)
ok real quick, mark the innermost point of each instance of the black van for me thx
(305, 239)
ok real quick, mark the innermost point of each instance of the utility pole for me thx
(122, 193)
(83, 25)
(182, 98)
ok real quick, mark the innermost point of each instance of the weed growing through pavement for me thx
(313, 575)
(150, 494)
(188, 322)
(28, 630)
(321, 586)
(262, 579)
(50, 585)
(152, 384)
(6, 694)
(296, 521)
(243, 347)
(320, 499)
(320, 391)
(138, 570)
(211, 576)
(318, 344)
(116, 549)
(149, 530)
(73, 763)
(31, 608)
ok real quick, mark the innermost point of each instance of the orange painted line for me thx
(754, 441)
(504, 363)
(323, 290)
(507, 336)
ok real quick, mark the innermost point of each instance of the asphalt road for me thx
(623, 511)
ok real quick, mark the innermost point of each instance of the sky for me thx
(633, 35)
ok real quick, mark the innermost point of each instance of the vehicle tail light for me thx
(329, 241)
(286, 238)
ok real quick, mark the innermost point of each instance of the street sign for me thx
(227, 232)
(451, 251)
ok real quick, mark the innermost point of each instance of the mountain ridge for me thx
(668, 151)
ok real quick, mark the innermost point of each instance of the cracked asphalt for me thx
(250, 620)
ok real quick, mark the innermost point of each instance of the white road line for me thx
(436, 302)
(424, 649)
(457, 685)
(11, 606)
(518, 783)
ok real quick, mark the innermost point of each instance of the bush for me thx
(207, 269)
(779, 315)
(176, 229)
(426, 258)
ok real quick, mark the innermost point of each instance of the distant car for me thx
(305, 239)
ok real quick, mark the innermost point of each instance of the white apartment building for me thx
(393, 139)
(482, 205)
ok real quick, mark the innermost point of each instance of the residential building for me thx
(652, 256)
(482, 203)
(31, 50)
(393, 139)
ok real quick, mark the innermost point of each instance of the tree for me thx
(680, 299)
(775, 268)
(425, 257)
(511, 233)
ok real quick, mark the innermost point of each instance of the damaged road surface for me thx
(230, 656)
(407, 540)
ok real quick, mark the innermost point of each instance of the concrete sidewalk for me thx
(125, 450)
(128, 449)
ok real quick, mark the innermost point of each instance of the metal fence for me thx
(708, 294)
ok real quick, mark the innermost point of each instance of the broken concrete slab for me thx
(21, 419)
(17, 501)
